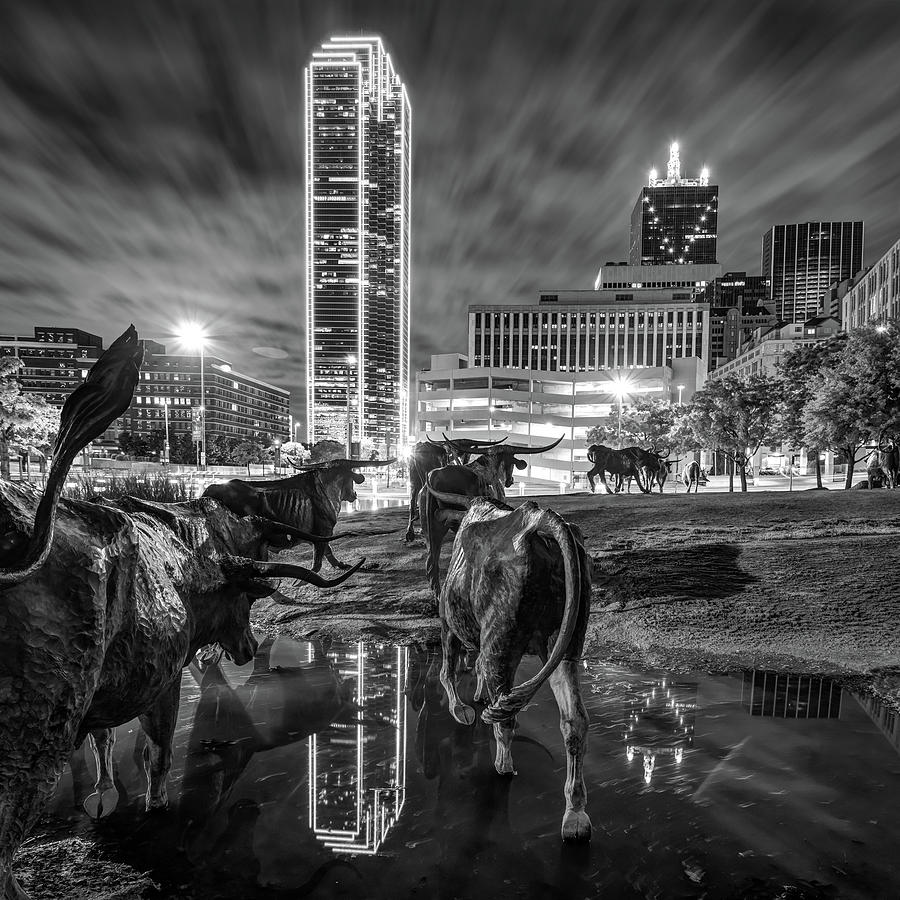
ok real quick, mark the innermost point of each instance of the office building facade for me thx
(57, 360)
(803, 260)
(675, 219)
(358, 174)
(587, 331)
(875, 296)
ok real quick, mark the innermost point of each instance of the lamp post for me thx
(351, 361)
(680, 389)
(165, 403)
(277, 456)
(193, 335)
(620, 387)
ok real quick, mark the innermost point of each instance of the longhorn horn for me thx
(523, 451)
(660, 456)
(374, 463)
(474, 443)
(249, 568)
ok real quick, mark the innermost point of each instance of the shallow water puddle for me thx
(334, 770)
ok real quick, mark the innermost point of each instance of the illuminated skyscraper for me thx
(803, 261)
(675, 219)
(358, 169)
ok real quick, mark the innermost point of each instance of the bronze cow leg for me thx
(498, 678)
(573, 723)
(452, 645)
(105, 797)
(159, 727)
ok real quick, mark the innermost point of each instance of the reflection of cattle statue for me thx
(487, 476)
(310, 500)
(101, 608)
(884, 463)
(620, 463)
(692, 476)
(519, 582)
(428, 455)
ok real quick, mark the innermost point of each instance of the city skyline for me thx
(154, 162)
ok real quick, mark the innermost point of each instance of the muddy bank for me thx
(804, 582)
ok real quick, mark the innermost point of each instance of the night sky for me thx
(151, 159)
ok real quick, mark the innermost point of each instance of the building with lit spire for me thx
(675, 219)
(358, 174)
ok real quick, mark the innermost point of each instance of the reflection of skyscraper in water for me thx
(778, 695)
(357, 766)
(659, 723)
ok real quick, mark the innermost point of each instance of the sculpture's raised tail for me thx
(88, 412)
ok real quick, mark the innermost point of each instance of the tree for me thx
(646, 422)
(27, 421)
(182, 449)
(247, 452)
(295, 454)
(735, 416)
(859, 396)
(326, 449)
(219, 449)
(798, 370)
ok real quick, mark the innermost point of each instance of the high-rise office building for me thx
(675, 219)
(358, 170)
(802, 261)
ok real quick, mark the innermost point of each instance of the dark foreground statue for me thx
(519, 582)
(101, 607)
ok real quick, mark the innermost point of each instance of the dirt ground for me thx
(806, 581)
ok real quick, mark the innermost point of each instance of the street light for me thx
(165, 403)
(680, 389)
(192, 335)
(881, 329)
(351, 361)
(620, 388)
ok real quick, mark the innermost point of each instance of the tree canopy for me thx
(647, 422)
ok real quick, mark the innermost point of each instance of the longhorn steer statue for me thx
(487, 476)
(102, 606)
(621, 463)
(428, 455)
(519, 582)
(310, 500)
(885, 461)
(692, 475)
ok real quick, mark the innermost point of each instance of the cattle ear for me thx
(359, 479)
(521, 463)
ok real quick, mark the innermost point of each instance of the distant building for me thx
(875, 295)
(57, 360)
(675, 219)
(237, 405)
(358, 178)
(802, 261)
(769, 345)
(619, 276)
(738, 306)
(536, 406)
(585, 331)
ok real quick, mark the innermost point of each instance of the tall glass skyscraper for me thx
(675, 219)
(803, 261)
(358, 171)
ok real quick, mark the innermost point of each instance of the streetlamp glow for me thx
(193, 336)
(621, 386)
(680, 389)
(881, 329)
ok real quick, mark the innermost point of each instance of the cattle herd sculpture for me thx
(103, 604)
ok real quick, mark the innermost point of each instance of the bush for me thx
(146, 487)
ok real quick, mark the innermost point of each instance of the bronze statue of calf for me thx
(519, 582)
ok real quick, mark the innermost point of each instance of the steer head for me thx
(501, 461)
(339, 477)
(459, 450)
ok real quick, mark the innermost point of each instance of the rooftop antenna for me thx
(673, 169)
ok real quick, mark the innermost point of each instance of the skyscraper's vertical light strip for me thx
(361, 249)
(403, 310)
(310, 255)
(407, 230)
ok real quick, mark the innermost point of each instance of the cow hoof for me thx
(463, 714)
(157, 804)
(576, 826)
(101, 803)
(504, 765)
